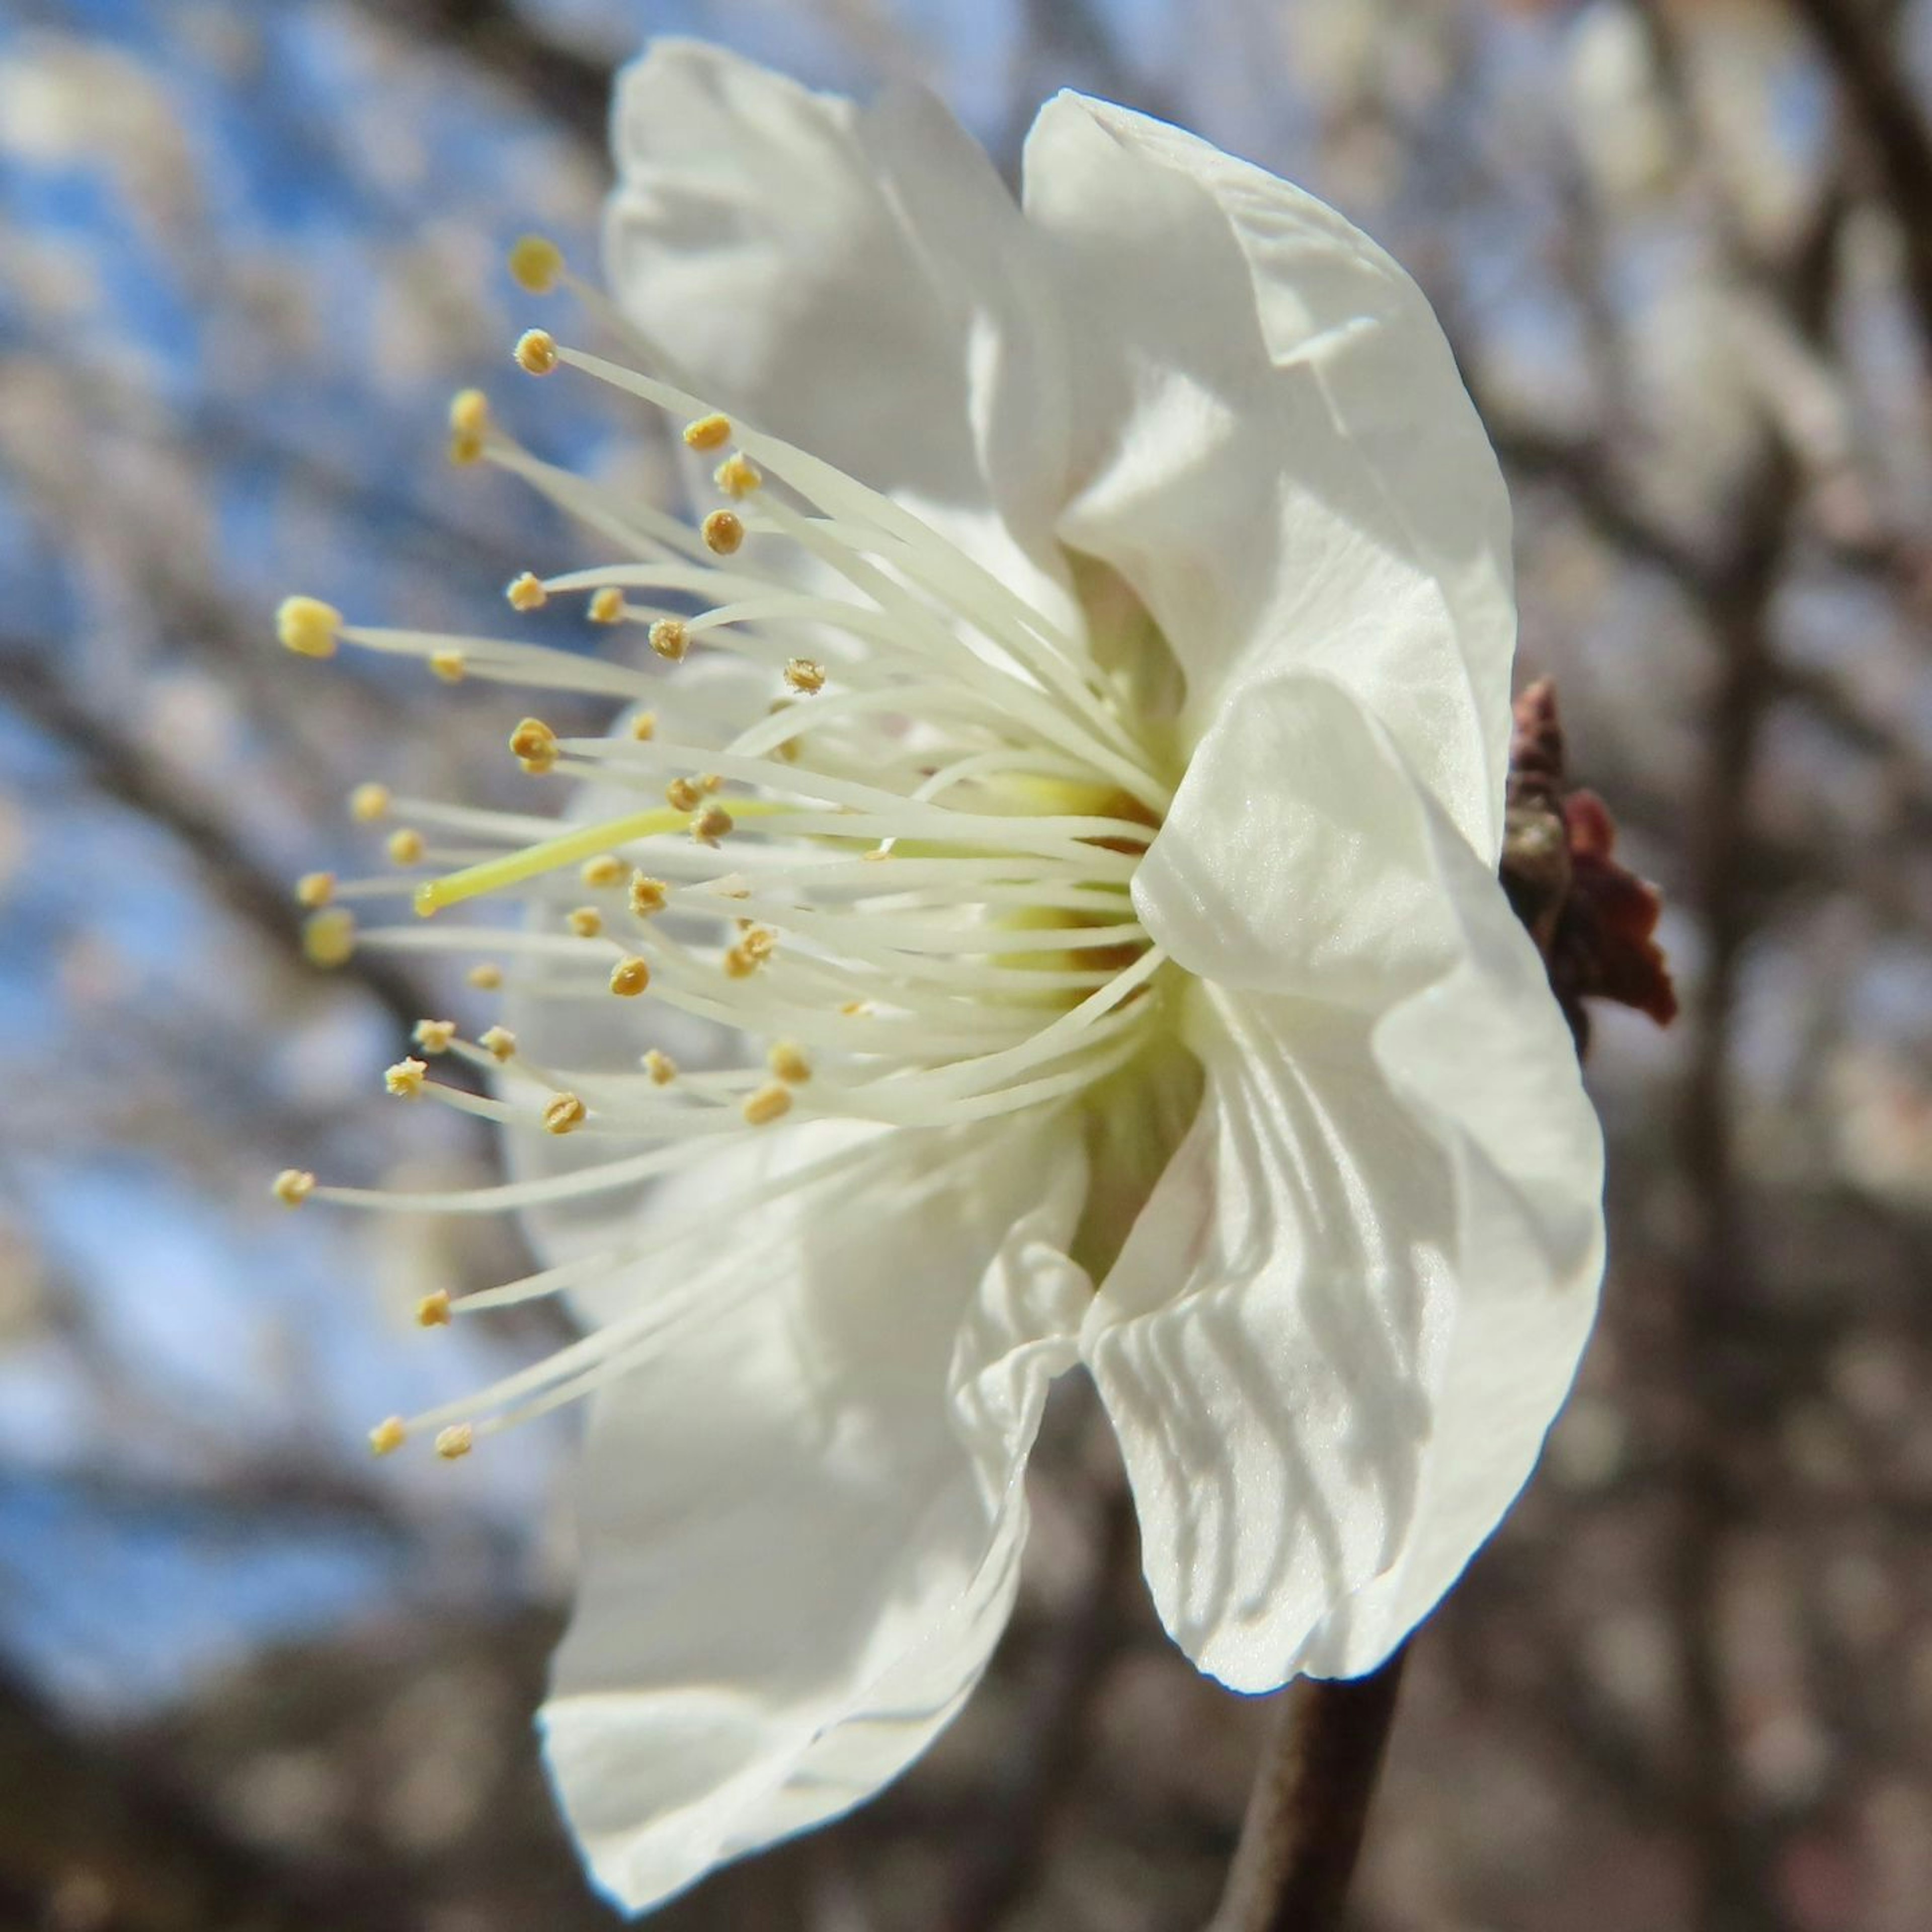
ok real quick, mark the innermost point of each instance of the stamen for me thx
(805, 676)
(308, 627)
(535, 745)
(405, 846)
(485, 976)
(660, 1066)
(737, 476)
(768, 1104)
(647, 895)
(292, 1186)
(433, 1310)
(670, 638)
(644, 727)
(526, 593)
(606, 606)
(434, 1036)
(405, 1079)
(451, 666)
(456, 1441)
(606, 869)
(535, 262)
(630, 976)
(499, 1042)
(329, 938)
(536, 352)
(368, 803)
(565, 1114)
(315, 889)
(723, 531)
(710, 432)
(388, 1435)
(586, 922)
(789, 1063)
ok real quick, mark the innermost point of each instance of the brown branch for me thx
(1309, 1807)
(495, 36)
(120, 770)
(1855, 42)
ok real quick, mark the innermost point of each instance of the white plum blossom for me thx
(1038, 906)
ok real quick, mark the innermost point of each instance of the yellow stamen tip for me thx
(535, 262)
(292, 1186)
(315, 889)
(789, 1063)
(464, 450)
(737, 476)
(535, 745)
(536, 352)
(629, 977)
(308, 627)
(644, 726)
(607, 605)
(605, 869)
(711, 825)
(586, 922)
(526, 593)
(683, 795)
(405, 1079)
(486, 977)
(564, 1113)
(451, 666)
(711, 432)
(329, 938)
(647, 895)
(434, 1036)
(369, 802)
(805, 675)
(670, 639)
(469, 412)
(660, 1066)
(499, 1042)
(456, 1441)
(768, 1104)
(723, 531)
(388, 1436)
(433, 1310)
(405, 846)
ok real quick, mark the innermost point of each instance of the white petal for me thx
(857, 281)
(802, 1521)
(1271, 444)
(1338, 1332)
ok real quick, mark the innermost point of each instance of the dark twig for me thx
(1309, 1807)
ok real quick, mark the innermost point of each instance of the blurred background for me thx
(250, 1678)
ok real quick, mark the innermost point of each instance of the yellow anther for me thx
(737, 476)
(329, 938)
(455, 1442)
(451, 665)
(388, 1436)
(586, 922)
(536, 352)
(486, 976)
(368, 803)
(433, 1310)
(405, 1079)
(535, 744)
(723, 531)
(852, 1007)
(434, 1036)
(789, 1063)
(660, 1066)
(606, 869)
(644, 727)
(759, 941)
(629, 977)
(309, 627)
(711, 432)
(805, 676)
(670, 639)
(683, 795)
(469, 412)
(564, 1113)
(464, 450)
(647, 895)
(315, 889)
(405, 846)
(292, 1186)
(710, 782)
(606, 606)
(770, 1102)
(526, 593)
(499, 1042)
(711, 825)
(739, 964)
(535, 261)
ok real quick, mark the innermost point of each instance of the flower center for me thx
(869, 812)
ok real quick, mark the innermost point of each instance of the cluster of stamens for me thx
(892, 853)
